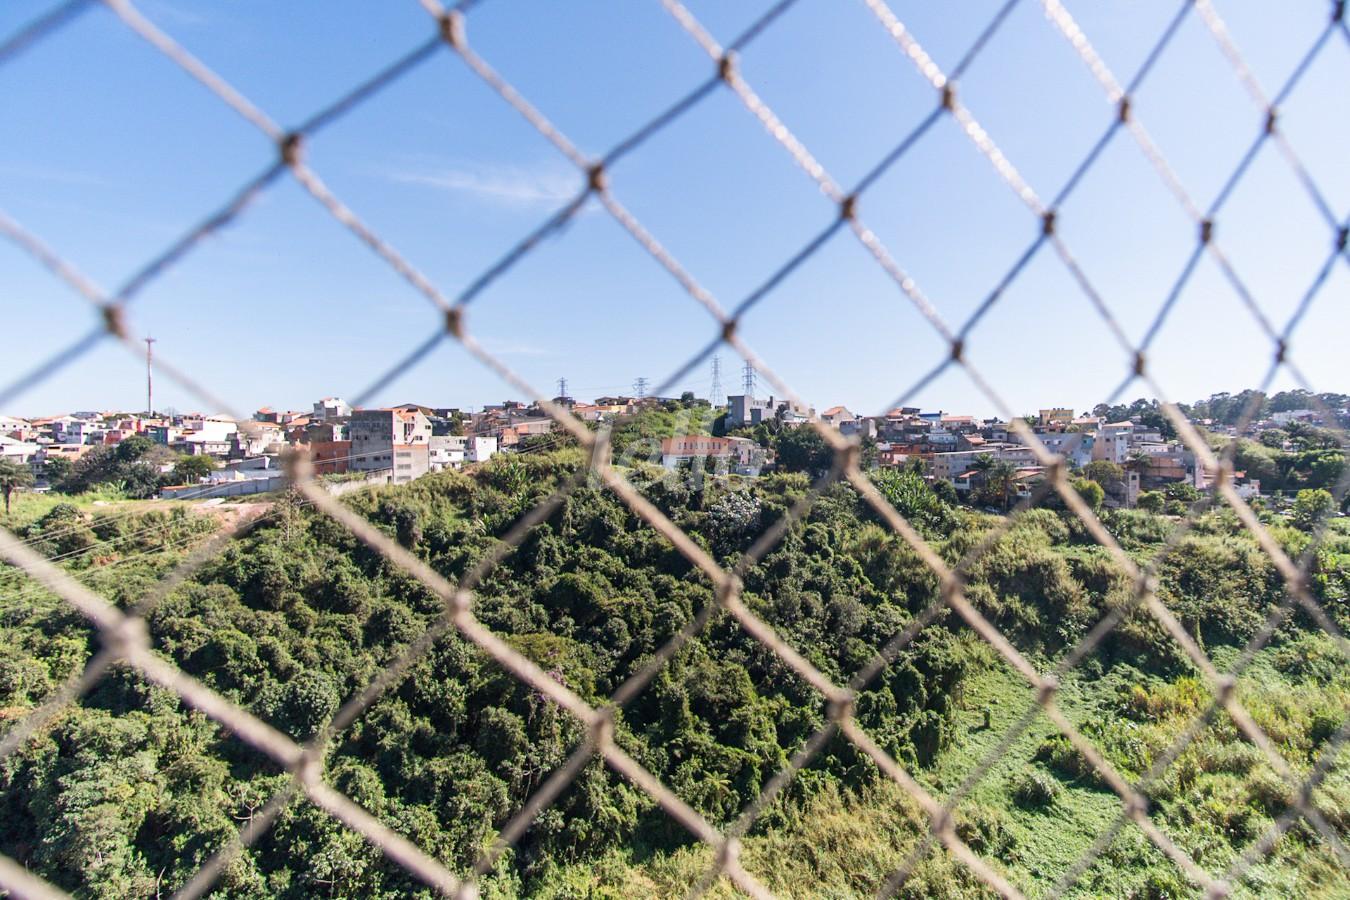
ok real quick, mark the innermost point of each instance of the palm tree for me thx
(982, 464)
(13, 476)
(1000, 478)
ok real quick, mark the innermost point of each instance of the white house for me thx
(446, 451)
(17, 451)
(837, 416)
(481, 448)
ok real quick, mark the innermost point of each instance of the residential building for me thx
(197, 444)
(1289, 416)
(480, 449)
(330, 457)
(71, 452)
(1075, 446)
(1055, 416)
(958, 424)
(18, 451)
(17, 428)
(591, 412)
(737, 455)
(941, 438)
(260, 438)
(1113, 442)
(379, 435)
(212, 429)
(410, 461)
(1025, 482)
(332, 408)
(838, 416)
(863, 427)
(745, 410)
(510, 435)
(995, 430)
(948, 465)
(446, 451)
(163, 434)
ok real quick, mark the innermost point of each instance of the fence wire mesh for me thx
(125, 638)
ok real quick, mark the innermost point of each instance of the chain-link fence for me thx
(125, 639)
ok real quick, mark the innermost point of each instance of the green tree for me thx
(1274, 438)
(1137, 462)
(13, 476)
(1181, 490)
(56, 469)
(1103, 471)
(1090, 491)
(1152, 501)
(192, 469)
(134, 463)
(802, 449)
(907, 491)
(1311, 506)
(998, 478)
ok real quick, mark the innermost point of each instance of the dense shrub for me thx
(298, 617)
(1033, 789)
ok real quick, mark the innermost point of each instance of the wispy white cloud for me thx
(547, 185)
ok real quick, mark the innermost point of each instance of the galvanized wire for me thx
(124, 637)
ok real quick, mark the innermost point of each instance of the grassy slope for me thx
(847, 846)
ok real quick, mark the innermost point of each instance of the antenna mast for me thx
(149, 382)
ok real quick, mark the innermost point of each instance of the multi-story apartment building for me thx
(332, 408)
(745, 410)
(1113, 441)
(1077, 447)
(395, 439)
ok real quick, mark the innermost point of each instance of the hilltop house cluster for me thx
(393, 444)
(950, 447)
(400, 443)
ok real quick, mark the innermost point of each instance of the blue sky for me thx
(110, 153)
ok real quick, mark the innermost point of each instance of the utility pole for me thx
(717, 398)
(640, 387)
(149, 383)
(748, 376)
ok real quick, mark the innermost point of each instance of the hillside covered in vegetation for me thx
(128, 792)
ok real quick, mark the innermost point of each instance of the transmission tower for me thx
(640, 387)
(562, 387)
(748, 379)
(716, 392)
